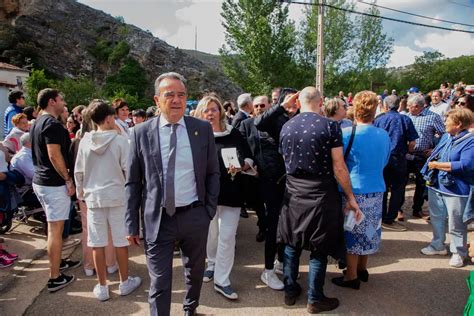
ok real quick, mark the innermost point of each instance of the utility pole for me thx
(195, 38)
(320, 49)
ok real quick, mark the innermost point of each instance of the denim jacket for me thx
(459, 151)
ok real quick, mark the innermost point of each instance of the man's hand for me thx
(432, 164)
(427, 152)
(133, 240)
(290, 101)
(352, 205)
(71, 189)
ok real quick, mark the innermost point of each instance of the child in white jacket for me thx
(100, 181)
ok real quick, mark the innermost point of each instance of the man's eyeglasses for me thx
(461, 103)
(261, 105)
(171, 95)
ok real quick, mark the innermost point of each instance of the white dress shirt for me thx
(184, 177)
(440, 109)
(23, 163)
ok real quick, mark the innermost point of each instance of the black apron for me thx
(311, 216)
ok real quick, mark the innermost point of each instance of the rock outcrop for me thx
(69, 39)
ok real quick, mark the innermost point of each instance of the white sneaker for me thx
(130, 285)
(271, 279)
(278, 267)
(112, 269)
(456, 261)
(430, 251)
(101, 292)
(88, 272)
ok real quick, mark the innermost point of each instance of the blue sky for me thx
(175, 22)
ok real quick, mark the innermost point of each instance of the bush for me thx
(130, 78)
(118, 52)
(101, 50)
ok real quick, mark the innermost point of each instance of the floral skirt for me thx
(365, 238)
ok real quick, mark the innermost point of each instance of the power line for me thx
(414, 14)
(461, 4)
(381, 17)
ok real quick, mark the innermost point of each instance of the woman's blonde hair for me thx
(199, 113)
(465, 117)
(365, 106)
(331, 106)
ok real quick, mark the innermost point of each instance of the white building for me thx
(11, 77)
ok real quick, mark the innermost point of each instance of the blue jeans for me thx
(316, 275)
(442, 206)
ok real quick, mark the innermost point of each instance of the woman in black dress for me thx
(223, 228)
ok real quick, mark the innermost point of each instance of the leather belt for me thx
(187, 207)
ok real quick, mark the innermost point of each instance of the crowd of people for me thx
(323, 174)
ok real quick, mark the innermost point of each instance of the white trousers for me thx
(221, 243)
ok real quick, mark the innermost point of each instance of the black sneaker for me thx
(68, 264)
(61, 281)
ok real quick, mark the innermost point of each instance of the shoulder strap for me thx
(351, 140)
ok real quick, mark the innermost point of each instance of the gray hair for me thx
(392, 102)
(25, 139)
(244, 99)
(168, 75)
(416, 99)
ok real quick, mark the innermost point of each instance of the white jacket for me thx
(100, 169)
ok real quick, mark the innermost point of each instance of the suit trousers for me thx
(221, 243)
(189, 228)
(394, 175)
(272, 194)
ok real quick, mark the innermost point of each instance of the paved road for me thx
(402, 282)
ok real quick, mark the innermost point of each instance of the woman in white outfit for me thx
(223, 228)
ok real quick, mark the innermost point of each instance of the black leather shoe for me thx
(189, 312)
(352, 284)
(326, 304)
(363, 275)
(243, 213)
(290, 300)
(260, 236)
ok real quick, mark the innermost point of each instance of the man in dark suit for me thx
(174, 177)
(245, 104)
(271, 186)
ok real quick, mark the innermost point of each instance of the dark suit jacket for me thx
(144, 185)
(238, 118)
(269, 161)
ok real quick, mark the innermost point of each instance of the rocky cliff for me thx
(70, 39)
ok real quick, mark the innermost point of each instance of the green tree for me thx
(338, 33)
(353, 47)
(258, 52)
(36, 82)
(78, 91)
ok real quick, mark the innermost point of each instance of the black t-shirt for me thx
(48, 130)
